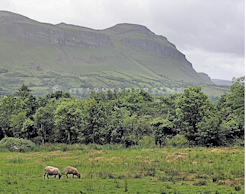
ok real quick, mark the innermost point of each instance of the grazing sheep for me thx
(71, 170)
(50, 170)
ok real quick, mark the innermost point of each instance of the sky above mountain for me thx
(210, 33)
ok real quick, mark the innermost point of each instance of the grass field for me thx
(115, 169)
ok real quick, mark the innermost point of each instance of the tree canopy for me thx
(125, 117)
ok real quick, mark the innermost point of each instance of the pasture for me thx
(115, 169)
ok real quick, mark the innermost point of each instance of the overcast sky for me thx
(209, 32)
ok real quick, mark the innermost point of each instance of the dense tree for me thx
(115, 123)
(16, 122)
(192, 106)
(44, 122)
(162, 129)
(231, 111)
(68, 120)
(51, 96)
(28, 130)
(136, 101)
(23, 91)
(94, 122)
(125, 117)
(9, 106)
(208, 133)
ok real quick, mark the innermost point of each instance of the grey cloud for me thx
(216, 26)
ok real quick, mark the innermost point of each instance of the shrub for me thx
(147, 141)
(178, 141)
(9, 143)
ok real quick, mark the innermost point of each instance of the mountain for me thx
(221, 82)
(48, 57)
(204, 75)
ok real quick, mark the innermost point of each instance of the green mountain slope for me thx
(47, 57)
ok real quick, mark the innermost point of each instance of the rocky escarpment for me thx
(63, 34)
(25, 28)
(128, 28)
(125, 55)
(149, 45)
(141, 37)
(206, 76)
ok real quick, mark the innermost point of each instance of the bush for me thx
(178, 141)
(148, 141)
(9, 143)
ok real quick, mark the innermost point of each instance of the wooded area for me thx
(125, 117)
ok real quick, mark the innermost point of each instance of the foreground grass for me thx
(134, 170)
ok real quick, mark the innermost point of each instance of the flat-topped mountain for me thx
(44, 56)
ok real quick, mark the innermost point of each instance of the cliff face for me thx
(205, 76)
(156, 47)
(22, 27)
(128, 53)
(141, 37)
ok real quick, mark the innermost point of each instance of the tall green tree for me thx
(162, 129)
(28, 130)
(231, 108)
(136, 101)
(44, 122)
(94, 121)
(130, 135)
(29, 101)
(68, 120)
(208, 133)
(191, 107)
(23, 91)
(16, 122)
(115, 124)
(9, 106)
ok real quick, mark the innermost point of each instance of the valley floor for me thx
(132, 170)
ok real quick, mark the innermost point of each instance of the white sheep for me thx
(50, 170)
(71, 170)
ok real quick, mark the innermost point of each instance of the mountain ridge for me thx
(42, 55)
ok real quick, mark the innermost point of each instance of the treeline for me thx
(125, 117)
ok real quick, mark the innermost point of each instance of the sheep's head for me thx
(78, 175)
(60, 176)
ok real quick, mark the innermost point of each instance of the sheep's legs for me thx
(47, 176)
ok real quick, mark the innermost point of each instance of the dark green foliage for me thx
(192, 106)
(23, 91)
(178, 141)
(9, 106)
(162, 129)
(44, 122)
(9, 143)
(68, 120)
(129, 117)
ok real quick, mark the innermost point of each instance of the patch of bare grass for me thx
(174, 157)
(227, 182)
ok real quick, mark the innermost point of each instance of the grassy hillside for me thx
(124, 56)
(118, 170)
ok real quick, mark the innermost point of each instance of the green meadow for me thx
(114, 169)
